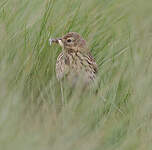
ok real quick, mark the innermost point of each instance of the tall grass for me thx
(37, 113)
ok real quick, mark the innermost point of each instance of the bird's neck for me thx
(70, 50)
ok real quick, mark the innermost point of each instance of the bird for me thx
(75, 62)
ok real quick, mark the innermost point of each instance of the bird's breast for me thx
(75, 64)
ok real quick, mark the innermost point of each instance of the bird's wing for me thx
(92, 61)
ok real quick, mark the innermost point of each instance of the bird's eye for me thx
(69, 40)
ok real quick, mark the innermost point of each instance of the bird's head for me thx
(71, 41)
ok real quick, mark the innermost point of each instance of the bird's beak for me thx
(57, 41)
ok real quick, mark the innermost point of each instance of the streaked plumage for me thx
(75, 61)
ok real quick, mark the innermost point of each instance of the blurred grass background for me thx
(32, 116)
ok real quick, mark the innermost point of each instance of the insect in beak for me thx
(57, 41)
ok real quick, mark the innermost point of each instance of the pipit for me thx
(75, 61)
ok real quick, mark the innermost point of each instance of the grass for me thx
(32, 114)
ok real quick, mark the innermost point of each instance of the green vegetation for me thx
(36, 115)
